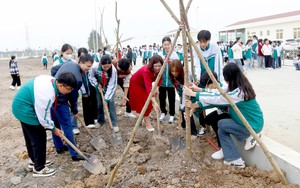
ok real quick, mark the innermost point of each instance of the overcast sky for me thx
(52, 23)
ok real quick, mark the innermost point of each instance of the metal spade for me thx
(91, 163)
(97, 142)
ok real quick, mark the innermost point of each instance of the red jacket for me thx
(259, 49)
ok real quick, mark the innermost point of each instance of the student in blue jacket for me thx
(61, 113)
(31, 106)
(241, 92)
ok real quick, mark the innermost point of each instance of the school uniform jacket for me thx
(250, 109)
(166, 82)
(32, 103)
(96, 78)
(212, 55)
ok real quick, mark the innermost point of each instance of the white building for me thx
(172, 34)
(279, 26)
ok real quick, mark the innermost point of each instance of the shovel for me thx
(97, 142)
(178, 141)
(115, 138)
(92, 163)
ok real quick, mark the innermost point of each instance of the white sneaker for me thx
(218, 155)
(116, 129)
(237, 163)
(91, 126)
(171, 119)
(250, 143)
(162, 117)
(44, 172)
(31, 164)
(11, 87)
(131, 115)
(150, 129)
(76, 131)
(202, 131)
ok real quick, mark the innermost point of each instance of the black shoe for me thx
(77, 158)
(61, 150)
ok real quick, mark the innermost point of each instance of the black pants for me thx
(268, 61)
(212, 120)
(35, 139)
(16, 80)
(128, 107)
(144, 61)
(162, 99)
(134, 61)
(194, 130)
(89, 107)
(45, 65)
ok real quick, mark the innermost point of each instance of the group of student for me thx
(268, 54)
(50, 102)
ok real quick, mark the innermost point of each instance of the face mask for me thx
(68, 56)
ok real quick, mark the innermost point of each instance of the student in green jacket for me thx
(242, 94)
(31, 106)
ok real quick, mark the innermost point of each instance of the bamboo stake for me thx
(138, 122)
(240, 115)
(188, 6)
(186, 79)
(170, 11)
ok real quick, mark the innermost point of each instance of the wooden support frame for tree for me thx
(184, 27)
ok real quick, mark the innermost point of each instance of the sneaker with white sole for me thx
(236, 163)
(250, 143)
(116, 129)
(31, 164)
(76, 131)
(162, 117)
(202, 131)
(45, 172)
(171, 119)
(91, 126)
(218, 155)
(130, 115)
(12, 87)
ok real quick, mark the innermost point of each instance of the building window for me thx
(253, 33)
(297, 32)
(268, 32)
(261, 33)
(279, 34)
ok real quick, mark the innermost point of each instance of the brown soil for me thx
(151, 162)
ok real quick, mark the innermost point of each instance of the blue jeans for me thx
(74, 121)
(62, 115)
(260, 60)
(275, 63)
(229, 127)
(111, 107)
(250, 63)
(239, 63)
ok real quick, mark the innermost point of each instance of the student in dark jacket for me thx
(60, 112)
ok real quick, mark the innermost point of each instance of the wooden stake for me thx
(186, 79)
(138, 122)
(240, 115)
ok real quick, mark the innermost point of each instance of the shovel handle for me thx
(74, 147)
(85, 127)
(105, 107)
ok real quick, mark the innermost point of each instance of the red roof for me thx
(287, 14)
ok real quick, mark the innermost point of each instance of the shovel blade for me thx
(94, 165)
(98, 143)
(178, 143)
(116, 138)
